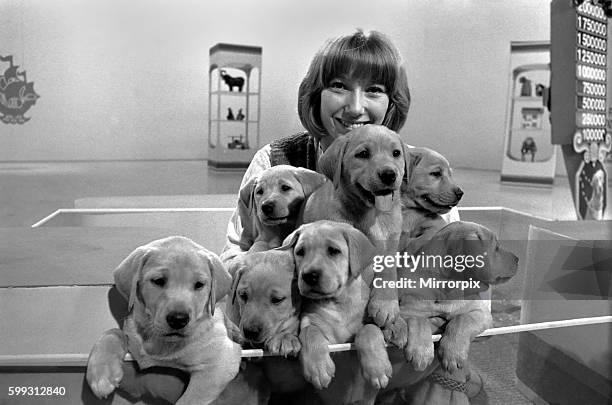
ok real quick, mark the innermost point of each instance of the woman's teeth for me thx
(351, 125)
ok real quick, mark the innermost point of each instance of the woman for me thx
(353, 80)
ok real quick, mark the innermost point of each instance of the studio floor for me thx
(31, 191)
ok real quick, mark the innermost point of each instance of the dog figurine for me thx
(595, 204)
(232, 82)
(466, 315)
(367, 167)
(270, 205)
(171, 286)
(429, 192)
(330, 258)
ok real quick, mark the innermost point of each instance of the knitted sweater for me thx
(297, 150)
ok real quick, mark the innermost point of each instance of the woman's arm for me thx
(260, 162)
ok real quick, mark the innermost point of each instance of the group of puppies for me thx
(305, 281)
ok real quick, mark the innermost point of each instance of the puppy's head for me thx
(275, 197)
(265, 295)
(597, 184)
(171, 285)
(328, 255)
(430, 184)
(369, 163)
(492, 264)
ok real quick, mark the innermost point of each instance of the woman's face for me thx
(348, 103)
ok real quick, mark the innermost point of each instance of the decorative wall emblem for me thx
(17, 95)
(591, 177)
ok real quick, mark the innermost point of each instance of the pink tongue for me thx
(384, 202)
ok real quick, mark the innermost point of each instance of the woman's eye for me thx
(376, 89)
(159, 281)
(364, 154)
(397, 153)
(277, 300)
(336, 84)
(285, 187)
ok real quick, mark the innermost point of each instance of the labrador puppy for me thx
(171, 286)
(367, 166)
(461, 260)
(429, 192)
(266, 303)
(330, 257)
(270, 204)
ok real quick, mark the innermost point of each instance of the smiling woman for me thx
(353, 80)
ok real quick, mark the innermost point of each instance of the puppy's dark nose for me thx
(458, 193)
(267, 207)
(311, 277)
(251, 332)
(177, 320)
(387, 176)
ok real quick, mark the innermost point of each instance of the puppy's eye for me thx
(397, 153)
(259, 191)
(436, 173)
(277, 300)
(243, 295)
(332, 251)
(299, 252)
(198, 285)
(285, 187)
(364, 154)
(159, 281)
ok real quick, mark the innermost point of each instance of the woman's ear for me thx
(330, 162)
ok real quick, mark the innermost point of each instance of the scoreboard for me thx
(578, 99)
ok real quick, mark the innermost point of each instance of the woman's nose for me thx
(355, 104)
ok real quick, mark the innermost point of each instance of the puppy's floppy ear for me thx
(361, 250)
(309, 179)
(247, 213)
(407, 162)
(127, 274)
(290, 240)
(220, 279)
(330, 162)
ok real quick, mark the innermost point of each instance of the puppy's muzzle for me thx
(252, 333)
(311, 277)
(177, 319)
(387, 176)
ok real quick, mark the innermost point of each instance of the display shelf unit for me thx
(233, 105)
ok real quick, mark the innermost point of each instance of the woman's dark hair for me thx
(361, 55)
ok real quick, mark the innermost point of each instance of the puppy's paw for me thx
(419, 354)
(104, 375)
(384, 312)
(318, 369)
(377, 371)
(453, 354)
(397, 333)
(284, 345)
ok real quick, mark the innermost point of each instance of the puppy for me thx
(266, 302)
(270, 204)
(330, 258)
(429, 192)
(367, 166)
(444, 267)
(171, 285)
